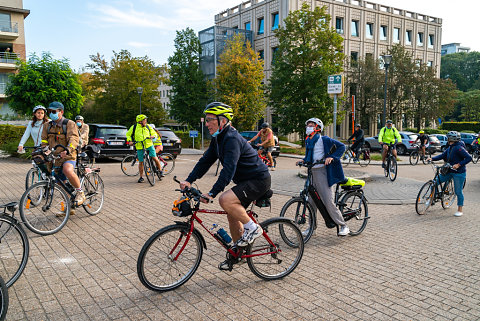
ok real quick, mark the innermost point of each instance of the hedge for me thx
(428, 131)
(187, 141)
(473, 126)
(10, 136)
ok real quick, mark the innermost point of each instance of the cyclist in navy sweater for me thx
(240, 164)
(458, 157)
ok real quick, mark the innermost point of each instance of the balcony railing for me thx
(9, 57)
(9, 27)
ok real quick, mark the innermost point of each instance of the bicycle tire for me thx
(354, 211)
(475, 157)
(288, 240)
(129, 165)
(427, 156)
(413, 158)
(34, 213)
(149, 171)
(14, 249)
(92, 186)
(162, 265)
(425, 197)
(346, 158)
(3, 299)
(393, 169)
(448, 194)
(294, 209)
(33, 176)
(387, 166)
(363, 159)
(170, 160)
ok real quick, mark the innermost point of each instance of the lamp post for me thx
(387, 60)
(140, 91)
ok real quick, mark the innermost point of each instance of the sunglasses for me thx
(209, 119)
(54, 111)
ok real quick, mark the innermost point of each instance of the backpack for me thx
(64, 126)
(135, 128)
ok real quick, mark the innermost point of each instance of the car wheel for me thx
(401, 149)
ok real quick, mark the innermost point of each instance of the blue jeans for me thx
(458, 180)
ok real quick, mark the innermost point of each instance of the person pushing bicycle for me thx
(324, 176)
(240, 164)
(143, 132)
(359, 140)
(387, 135)
(423, 139)
(267, 142)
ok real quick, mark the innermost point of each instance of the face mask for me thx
(215, 133)
(53, 116)
(79, 124)
(309, 130)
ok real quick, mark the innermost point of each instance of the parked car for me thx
(468, 139)
(443, 141)
(405, 147)
(435, 144)
(251, 133)
(110, 139)
(171, 143)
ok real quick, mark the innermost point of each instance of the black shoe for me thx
(140, 180)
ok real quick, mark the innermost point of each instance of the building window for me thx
(369, 31)
(418, 62)
(383, 32)
(275, 21)
(396, 35)
(235, 27)
(420, 39)
(261, 54)
(430, 63)
(260, 26)
(274, 52)
(339, 25)
(247, 26)
(408, 37)
(355, 31)
(368, 56)
(354, 58)
(431, 41)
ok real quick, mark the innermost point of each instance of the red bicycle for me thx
(263, 156)
(171, 256)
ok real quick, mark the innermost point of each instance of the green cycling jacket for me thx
(388, 136)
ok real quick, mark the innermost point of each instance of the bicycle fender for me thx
(195, 231)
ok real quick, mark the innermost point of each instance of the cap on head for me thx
(316, 121)
(78, 117)
(56, 105)
(358, 126)
(389, 121)
(39, 107)
(219, 109)
(141, 117)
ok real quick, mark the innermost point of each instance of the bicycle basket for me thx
(39, 156)
(445, 169)
(182, 207)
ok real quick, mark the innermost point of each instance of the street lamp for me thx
(387, 60)
(140, 91)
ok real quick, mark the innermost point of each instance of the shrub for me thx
(473, 126)
(10, 137)
(428, 131)
(187, 141)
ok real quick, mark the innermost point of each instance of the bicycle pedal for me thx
(226, 266)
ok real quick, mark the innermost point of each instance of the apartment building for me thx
(367, 28)
(12, 43)
(455, 47)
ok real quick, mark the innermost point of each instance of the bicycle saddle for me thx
(12, 206)
(352, 183)
(264, 200)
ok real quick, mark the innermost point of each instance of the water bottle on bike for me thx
(222, 235)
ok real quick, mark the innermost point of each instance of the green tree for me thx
(189, 93)
(309, 50)
(239, 82)
(463, 69)
(469, 103)
(41, 80)
(114, 87)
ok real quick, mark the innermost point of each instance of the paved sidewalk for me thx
(402, 267)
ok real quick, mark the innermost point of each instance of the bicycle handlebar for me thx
(310, 165)
(191, 192)
(62, 146)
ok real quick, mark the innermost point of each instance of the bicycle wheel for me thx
(161, 266)
(392, 169)
(425, 197)
(302, 213)
(346, 158)
(386, 169)
(354, 211)
(149, 171)
(278, 252)
(33, 176)
(170, 163)
(45, 208)
(475, 157)
(364, 158)
(413, 158)
(14, 249)
(448, 194)
(427, 156)
(3, 299)
(92, 186)
(130, 165)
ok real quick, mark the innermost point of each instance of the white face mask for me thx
(310, 130)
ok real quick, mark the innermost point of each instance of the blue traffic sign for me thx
(194, 133)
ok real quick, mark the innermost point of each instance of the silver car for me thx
(405, 147)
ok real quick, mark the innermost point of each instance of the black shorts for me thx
(252, 190)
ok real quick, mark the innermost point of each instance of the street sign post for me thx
(193, 134)
(335, 86)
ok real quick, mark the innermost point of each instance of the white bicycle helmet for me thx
(316, 121)
(39, 107)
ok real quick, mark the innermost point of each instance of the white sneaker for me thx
(249, 236)
(344, 231)
(457, 214)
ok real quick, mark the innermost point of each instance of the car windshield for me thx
(168, 134)
(434, 139)
(413, 136)
(112, 131)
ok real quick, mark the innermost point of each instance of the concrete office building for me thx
(368, 29)
(455, 47)
(12, 44)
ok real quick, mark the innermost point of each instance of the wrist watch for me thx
(210, 194)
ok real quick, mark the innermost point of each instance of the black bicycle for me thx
(433, 191)
(363, 157)
(3, 299)
(14, 245)
(475, 154)
(130, 163)
(349, 198)
(149, 166)
(45, 206)
(415, 155)
(391, 166)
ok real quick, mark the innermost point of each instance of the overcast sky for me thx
(78, 29)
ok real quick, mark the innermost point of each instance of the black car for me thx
(110, 139)
(171, 143)
(249, 134)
